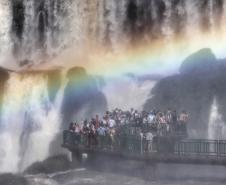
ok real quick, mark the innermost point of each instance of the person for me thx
(183, 118)
(111, 133)
(68, 137)
(132, 111)
(169, 115)
(111, 123)
(149, 138)
(85, 133)
(160, 124)
(105, 120)
(71, 127)
(92, 140)
(101, 132)
(151, 117)
(77, 128)
(77, 136)
(97, 122)
(169, 119)
(137, 118)
(145, 120)
(174, 121)
(141, 134)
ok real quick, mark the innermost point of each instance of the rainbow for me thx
(158, 57)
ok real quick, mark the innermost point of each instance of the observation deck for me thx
(166, 149)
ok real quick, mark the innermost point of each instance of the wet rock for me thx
(201, 79)
(54, 83)
(199, 63)
(10, 179)
(82, 95)
(4, 76)
(50, 165)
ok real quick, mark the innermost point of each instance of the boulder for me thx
(50, 165)
(201, 62)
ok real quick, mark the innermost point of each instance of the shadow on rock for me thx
(83, 96)
(201, 79)
(82, 99)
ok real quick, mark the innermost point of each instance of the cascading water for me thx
(35, 29)
(126, 93)
(5, 40)
(40, 30)
(216, 127)
(29, 121)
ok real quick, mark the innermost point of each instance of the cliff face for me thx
(4, 76)
(82, 98)
(54, 83)
(202, 77)
(82, 93)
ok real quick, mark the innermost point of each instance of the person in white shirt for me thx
(149, 139)
(151, 118)
(111, 123)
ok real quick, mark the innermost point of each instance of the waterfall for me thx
(5, 40)
(29, 121)
(36, 34)
(49, 27)
(216, 128)
(126, 93)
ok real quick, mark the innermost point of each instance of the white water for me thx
(29, 121)
(89, 24)
(216, 127)
(126, 93)
(181, 175)
(5, 40)
(53, 25)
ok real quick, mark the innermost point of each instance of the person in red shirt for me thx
(97, 122)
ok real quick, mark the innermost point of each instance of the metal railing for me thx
(138, 145)
(201, 147)
(123, 143)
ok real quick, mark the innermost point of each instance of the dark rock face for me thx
(82, 93)
(202, 77)
(18, 17)
(201, 62)
(24, 29)
(4, 76)
(50, 165)
(54, 80)
(220, 88)
(10, 179)
(82, 90)
(54, 83)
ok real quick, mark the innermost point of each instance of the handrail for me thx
(136, 144)
(201, 147)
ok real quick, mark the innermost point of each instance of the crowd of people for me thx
(145, 125)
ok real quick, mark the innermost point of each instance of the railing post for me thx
(141, 144)
(64, 137)
(218, 148)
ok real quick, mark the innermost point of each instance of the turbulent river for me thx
(191, 175)
(87, 177)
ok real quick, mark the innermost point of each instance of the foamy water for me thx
(90, 177)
